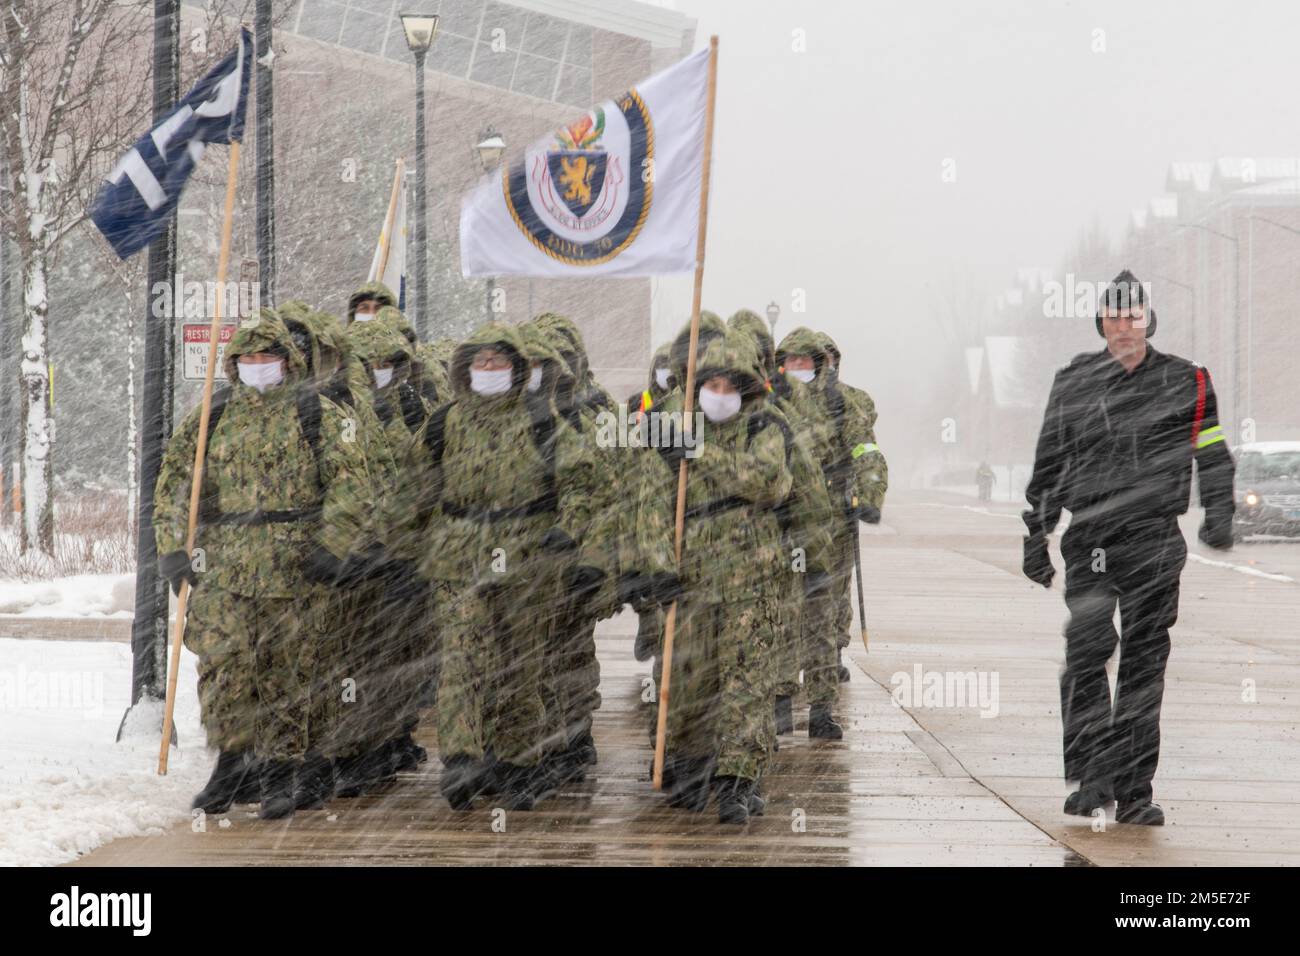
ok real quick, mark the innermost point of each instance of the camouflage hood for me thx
(371, 290)
(753, 325)
(319, 336)
(539, 345)
(266, 332)
(507, 338)
(661, 358)
(565, 337)
(802, 341)
(379, 343)
(733, 355)
(711, 327)
(395, 319)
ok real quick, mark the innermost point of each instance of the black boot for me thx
(690, 786)
(516, 786)
(784, 715)
(223, 786)
(409, 755)
(379, 766)
(821, 725)
(733, 799)
(250, 790)
(460, 781)
(277, 789)
(756, 802)
(350, 776)
(583, 749)
(314, 783)
(1145, 813)
(1089, 798)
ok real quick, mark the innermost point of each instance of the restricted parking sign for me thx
(195, 346)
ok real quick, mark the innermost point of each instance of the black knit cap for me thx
(1125, 292)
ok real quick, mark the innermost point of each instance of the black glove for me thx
(868, 513)
(582, 583)
(671, 447)
(1038, 564)
(816, 582)
(1216, 532)
(556, 541)
(663, 587)
(323, 568)
(175, 567)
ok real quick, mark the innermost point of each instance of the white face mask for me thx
(383, 376)
(661, 377)
(718, 407)
(535, 379)
(261, 375)
(364, 316)
(488, 383)
(804, 375)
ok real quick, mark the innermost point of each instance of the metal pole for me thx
(421, 298)
(149, 629)
(491, 288)
(265, 155)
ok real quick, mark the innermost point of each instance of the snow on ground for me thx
(82, 595)
(65, 786)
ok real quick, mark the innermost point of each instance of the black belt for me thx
(717, 507)
(537, 506)
(252, 518)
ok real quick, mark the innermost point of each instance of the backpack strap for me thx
(435, 433)
(309, 416)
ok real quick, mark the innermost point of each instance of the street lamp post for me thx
(420, 30)
(773, 313)
(491, 147)
(1236, 315)
(1250, 303)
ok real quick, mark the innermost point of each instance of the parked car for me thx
(1268, 489)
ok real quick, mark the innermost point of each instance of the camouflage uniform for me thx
(408, 657)
(842, 429)
(267, 502)
(721, 692)
(487, 494)
(804, 607)
(584, 405)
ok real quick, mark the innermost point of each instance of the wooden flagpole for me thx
(386, 233)
(200, 450)
(670, 624)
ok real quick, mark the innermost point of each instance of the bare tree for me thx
(72, 95)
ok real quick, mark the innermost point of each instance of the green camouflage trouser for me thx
(577, 675)
(258, 664)
(720, 698)
(490, 679)
(818, 652)
(786, 593)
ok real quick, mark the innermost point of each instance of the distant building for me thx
(1221, 249)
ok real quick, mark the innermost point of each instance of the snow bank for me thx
(83, 595)
(65, 786)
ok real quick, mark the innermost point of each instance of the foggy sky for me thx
(827, 163)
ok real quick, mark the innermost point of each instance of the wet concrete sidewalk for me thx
(921, 785)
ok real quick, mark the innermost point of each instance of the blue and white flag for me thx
(144, 187)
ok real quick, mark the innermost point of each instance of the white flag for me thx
(388, 264)
(616, 193)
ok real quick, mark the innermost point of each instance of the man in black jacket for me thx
(1121, 431)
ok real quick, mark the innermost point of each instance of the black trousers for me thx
(1136, 565)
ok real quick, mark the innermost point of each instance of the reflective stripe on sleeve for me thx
(1209, 437)
(863, 449)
